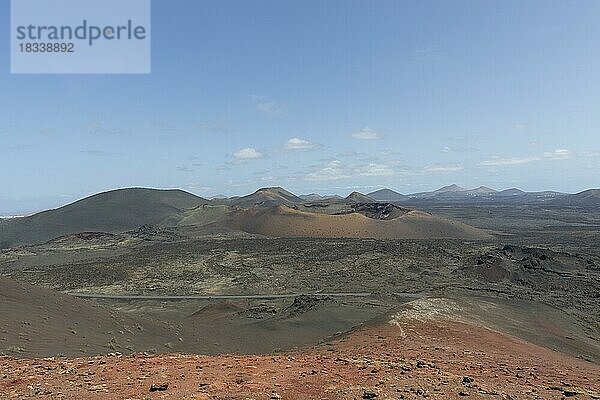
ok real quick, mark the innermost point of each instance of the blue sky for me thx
(317, 96)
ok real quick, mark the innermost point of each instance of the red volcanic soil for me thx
(413, 359)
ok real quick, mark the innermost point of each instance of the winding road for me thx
(214, 297)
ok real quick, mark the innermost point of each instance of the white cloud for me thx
(47, 131)
(100, 153)
(335, 170)
(374, 170)
(442, 168)
(267, 106)
(350, 154)
(558, 154)
(248, 153)
(213, 127)
(389, 152)
(426, 50)
(299, 144)
(366, 134)
(496, 160)
(96, 128)
(520, 127)
(332, 171)
(458, 149)
(427, 53)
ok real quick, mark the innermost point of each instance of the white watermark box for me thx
(80, 36)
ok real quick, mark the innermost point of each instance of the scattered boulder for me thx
(159, 387)
(369, 394)
(570, 392)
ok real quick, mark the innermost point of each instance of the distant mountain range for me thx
(275, 211)
(483, 194)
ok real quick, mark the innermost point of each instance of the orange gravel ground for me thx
(433, 359)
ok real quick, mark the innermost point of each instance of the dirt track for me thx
(215, 297)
